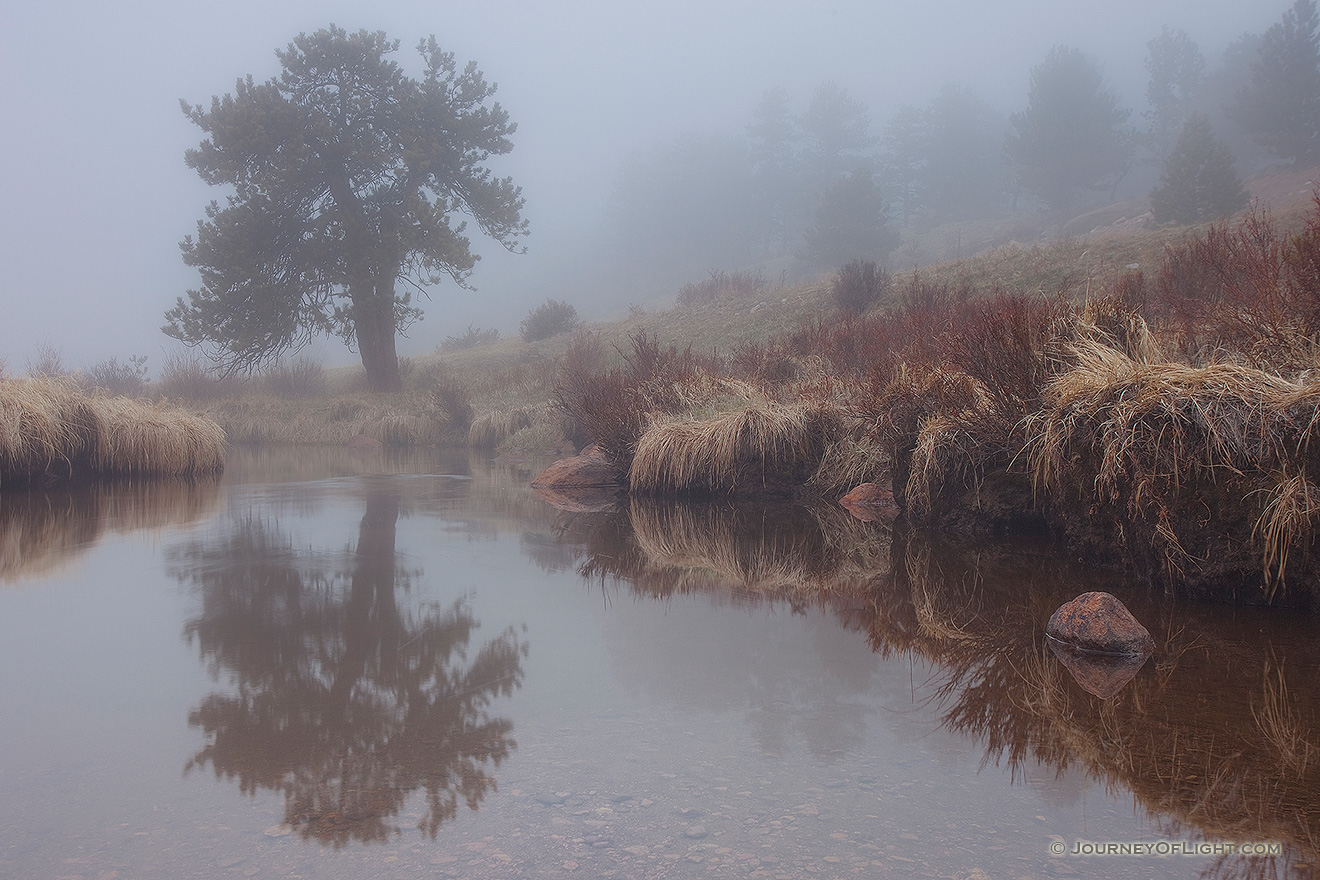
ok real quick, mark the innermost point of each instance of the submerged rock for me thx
(363, 443)
(1100, 623)
(870, 501)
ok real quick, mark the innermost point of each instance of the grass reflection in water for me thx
(1217, 737)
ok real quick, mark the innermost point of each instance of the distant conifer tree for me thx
(850, 224)
(1281, 104)
(1177, 79)
(1199, 182)
(1072, 137)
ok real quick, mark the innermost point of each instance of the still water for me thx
(334, 667)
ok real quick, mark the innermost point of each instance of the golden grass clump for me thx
(47, 428)
(946, 433)
(137, 438)
(490, 429)
(848, 463)
(762, 448)
(952, 450)
(1156, 438)
(50, 429)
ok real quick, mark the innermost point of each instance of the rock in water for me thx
(870, 501)
(1101, 623)
(585, 483)
(362, 443)
(591, 469)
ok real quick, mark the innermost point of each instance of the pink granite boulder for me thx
(589, 470)
(1099, 623)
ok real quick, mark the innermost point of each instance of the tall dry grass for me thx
(136, 438)
(413, 418)
(758, 449)
(492, 428)
(1202, 464)
(48, 427)
(51, 429)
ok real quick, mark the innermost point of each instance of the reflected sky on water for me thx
(411, 665)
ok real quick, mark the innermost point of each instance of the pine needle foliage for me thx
(1199, 182)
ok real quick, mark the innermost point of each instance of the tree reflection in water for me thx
(344, 702)
(1217, 737)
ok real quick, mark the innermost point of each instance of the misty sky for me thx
(96, 195)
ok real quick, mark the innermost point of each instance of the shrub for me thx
(186, 376)
(613, 406)
(303, 377)
(470, 338)
(451, 396)
(718, 285)
(767, 363)
(1248, 289)
(859, 285)
(550, 318)
(126, 380)
(47, 362)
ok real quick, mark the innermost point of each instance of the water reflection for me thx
(44, 529)
(342, 700)
(1217, 738)
(664, 548)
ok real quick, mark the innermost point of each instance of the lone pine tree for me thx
(349, 180)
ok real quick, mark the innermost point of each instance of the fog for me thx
(96, 196)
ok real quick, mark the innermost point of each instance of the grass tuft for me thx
(50, 429)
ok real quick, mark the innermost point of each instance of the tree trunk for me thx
(373, 318)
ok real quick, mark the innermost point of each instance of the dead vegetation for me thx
(50, 429)
(1161, 425)
(759, 449)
